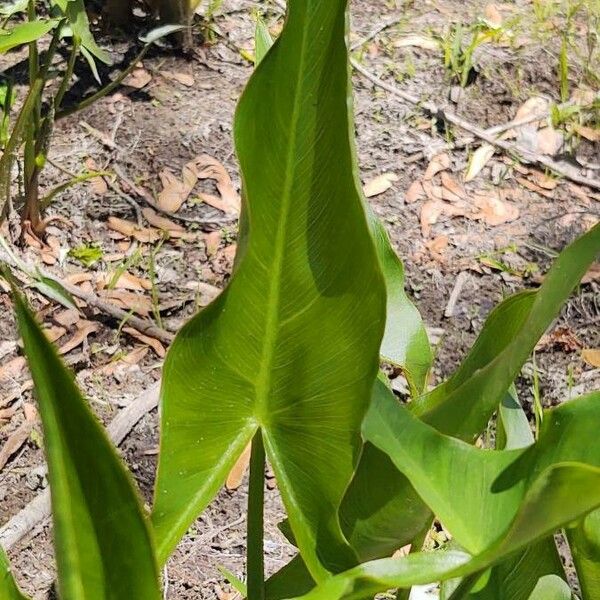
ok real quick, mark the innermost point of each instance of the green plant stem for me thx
(107, 89)
(68, 74)
(465, 586)
(256, 495)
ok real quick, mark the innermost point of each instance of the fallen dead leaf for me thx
(591, 356)
(212, 241)
(18, 437)
(451, 189)
(438, 163)
(84, 330)
(98, 185)
(138, 78)
(78, 278)
(543, 180)
(146, 339)
(183, 78)
(493, 17)
(67, 317)
(593, 274)
(236, 476)
(433, 192)
(417, 41)
(415, 192)
(13, 368)
(129, 301)
(533, 187)
(493, 210)
(589, 133)
(380, 184)
(54, 333)
(210, 168)
(175, 191)
(430, 213)
(131, 229)
(125, 281)
(562, 337)
(479, 160)
(438, 246)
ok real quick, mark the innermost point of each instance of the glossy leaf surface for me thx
(102, 540)
(292, 345)
(584, 540)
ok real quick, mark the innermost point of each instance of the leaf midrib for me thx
(263, 381)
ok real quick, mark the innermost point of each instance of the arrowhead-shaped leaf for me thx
(25, 33)
(291, 346)
(102, 540)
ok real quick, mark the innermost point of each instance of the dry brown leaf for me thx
(493, 17)
(549, 141)
(415, 192)
(15, 441)
(129, 301)
(183, 78)
(212, 241)
(131, 229)
(543, 180)
(146, 339)
(440, 162)
(13, 368)
(433, 192)
(562, 337)
(479, 160)
(138, 78)
(67, 317)
(84, 329)
(535, 188)
(451, 189)
(174, 193)
(593, 274)
(380, 184)
(236, 476)
(210, 168)
(591, 356)
(430, 213)
(161, 222)
(493, 210)
(54, 333)
(98, 185)
(78, 278)
(135, 356)
(417, 41)
(126, 281)
(589, 133)
(437, 246)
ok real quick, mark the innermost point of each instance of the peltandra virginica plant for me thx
(32, 127)
(287, 359)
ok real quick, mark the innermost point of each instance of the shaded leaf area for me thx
(492, 502)
(8, 587)
(101, 536)
(23, 33)
(292, 345)
(584, 540)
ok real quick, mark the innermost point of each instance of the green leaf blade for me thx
(305, 306)
(8, 587)
(102, 540)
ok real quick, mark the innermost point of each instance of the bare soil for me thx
(168, 123)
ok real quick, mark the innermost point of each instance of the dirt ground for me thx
(465, 245)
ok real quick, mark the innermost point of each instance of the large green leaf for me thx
(493, 502)
(584, 540)
(463, 406)
(25, 33)
(8, 587)
(292, 344)
(102, 539)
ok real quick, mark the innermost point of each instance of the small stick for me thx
(38, 510)
(462, 278)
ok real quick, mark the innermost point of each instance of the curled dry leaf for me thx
(430, 213)
(479, 160)
(493, 210)
(147, 340)
(415, 192)
(175, 191)
(589, 133)
(125, 281)
(236, 476)
(380, 184)
(592, 357)
(175, 230)
(417, 41)
(438, 163)
(84, 330)
(54, 333)
(67, 317)
(210, 168)
(438, 246)
(535, 188)
(138, 78)
(131, 229)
